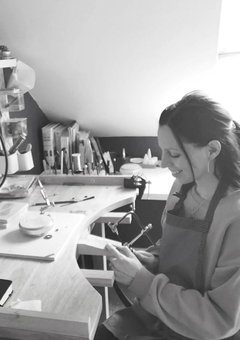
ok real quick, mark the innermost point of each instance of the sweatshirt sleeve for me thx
(186, 311)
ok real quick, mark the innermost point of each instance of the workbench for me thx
(70, 306)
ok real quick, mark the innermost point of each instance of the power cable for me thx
(6, 161)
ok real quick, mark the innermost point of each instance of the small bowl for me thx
(130, 169)
(36, 225)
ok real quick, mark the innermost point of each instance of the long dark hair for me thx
(197, 119)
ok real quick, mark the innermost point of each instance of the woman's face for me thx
(175, 160)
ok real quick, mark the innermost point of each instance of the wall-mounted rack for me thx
(11, 100)
(4, 110)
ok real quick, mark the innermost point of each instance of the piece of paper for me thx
(35, 305)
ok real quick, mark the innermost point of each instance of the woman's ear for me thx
(214, 148)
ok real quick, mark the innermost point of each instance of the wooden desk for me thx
(71, 307)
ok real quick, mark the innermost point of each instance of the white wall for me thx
(113, 65)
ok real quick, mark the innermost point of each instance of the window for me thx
(228, 65)
(229, 37)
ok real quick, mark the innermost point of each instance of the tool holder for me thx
(17, 162)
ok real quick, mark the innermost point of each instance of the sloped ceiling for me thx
(112, 65)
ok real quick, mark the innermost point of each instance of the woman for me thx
(189, 286)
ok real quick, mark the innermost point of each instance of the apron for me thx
(181, 260)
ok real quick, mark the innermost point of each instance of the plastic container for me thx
(17, 162)
(25, 161)
(12, 164)
(16, 102)
(14, 127)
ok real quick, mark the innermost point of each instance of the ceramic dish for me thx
(36, 225)
(130, 169)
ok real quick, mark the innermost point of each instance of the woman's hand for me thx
(147, 259)
(124, 263)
